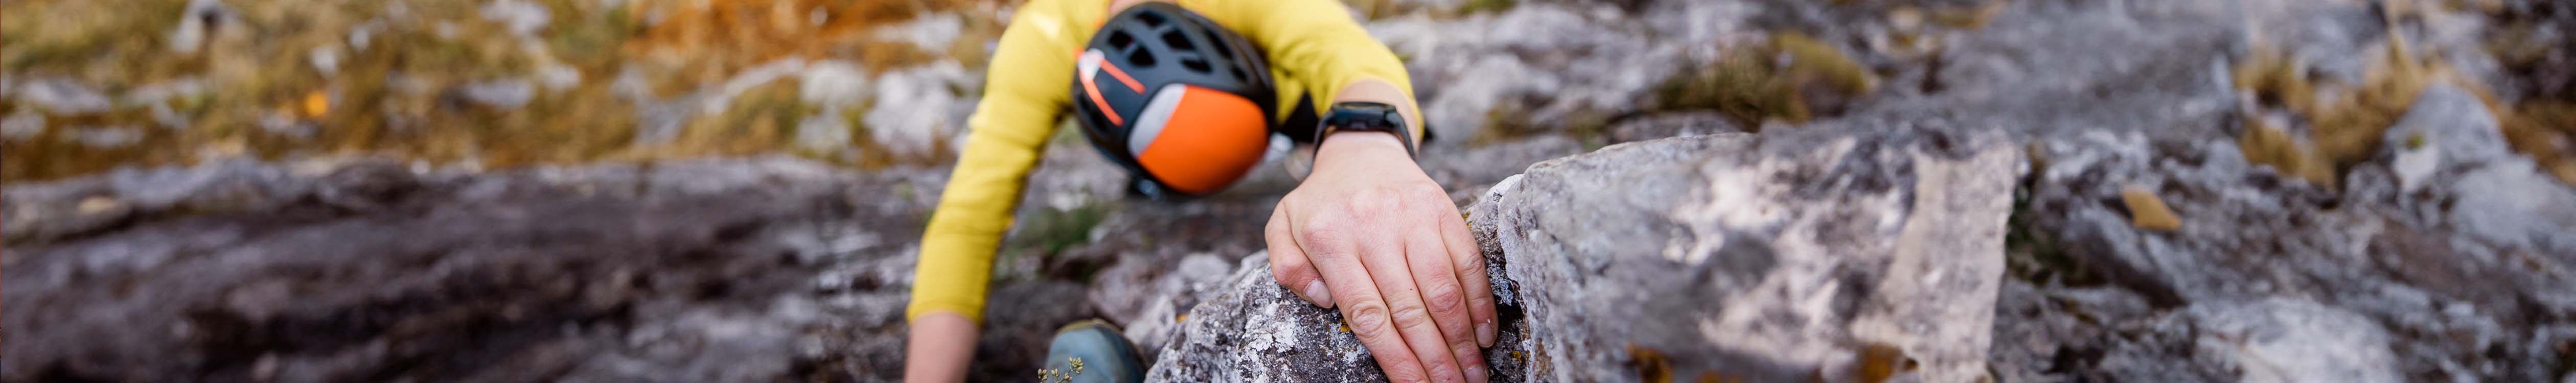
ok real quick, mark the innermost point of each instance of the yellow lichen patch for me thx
(1651, 365)
(1879, 361)
(2146, 211)
(316, 104)
(1714, 377)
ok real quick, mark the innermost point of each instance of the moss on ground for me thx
(1487, 6)
(2262, 143)
(63, 37)
(1784, 78)
(1742, 85)
(755, 121)
(2543, 124)
(2545, 130)
(1967, 17)
(1824, 63)
(1510, 122)
(1054, 230)
(2344, 124)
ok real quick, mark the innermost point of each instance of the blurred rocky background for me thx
(731, 190)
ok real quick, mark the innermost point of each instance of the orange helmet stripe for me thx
(1084, 67)
(1094, 90)
(1122, 76)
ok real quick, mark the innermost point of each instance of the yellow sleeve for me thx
(1027, 86)
(1314, 41)
(1025, 90)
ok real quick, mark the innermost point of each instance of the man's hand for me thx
(1369, 233)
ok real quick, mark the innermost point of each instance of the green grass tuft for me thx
(1487, 6)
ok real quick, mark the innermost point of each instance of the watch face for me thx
(1363, 115)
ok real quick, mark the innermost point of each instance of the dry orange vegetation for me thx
(401, 93)
(705, 41)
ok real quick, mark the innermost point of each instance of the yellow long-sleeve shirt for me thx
(1314, 48)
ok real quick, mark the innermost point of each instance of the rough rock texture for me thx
(1827, 256)
(1533, 64)
(1845, 254)
(2444, 258)
(2043, 67)
(764, 269)
(743, 270)
(1252, 330)
(2464, 274)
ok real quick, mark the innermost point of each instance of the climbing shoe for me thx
(1091, 351)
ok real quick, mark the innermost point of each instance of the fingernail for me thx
(1315, 292)
(1476, 374)
(1485, 334)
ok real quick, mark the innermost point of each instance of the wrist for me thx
(1357, 145)
(941, 345)
(1380, 91)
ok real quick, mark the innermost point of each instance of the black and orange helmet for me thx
(1182, 103)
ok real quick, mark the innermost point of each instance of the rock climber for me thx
(1187, 97)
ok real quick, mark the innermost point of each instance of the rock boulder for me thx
(1733, 257)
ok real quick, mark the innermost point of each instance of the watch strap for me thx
(1366, 116)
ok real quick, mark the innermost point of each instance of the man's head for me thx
(1181, 102)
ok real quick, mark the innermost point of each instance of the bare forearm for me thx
(942, 344)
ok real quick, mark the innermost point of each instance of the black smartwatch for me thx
(1365, 116)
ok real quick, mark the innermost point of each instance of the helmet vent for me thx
(1121, 40)
(1141, 57)
(1151, 19)
(1178, 41)
(1224, 50)
(1195, 64)
(1238, 73)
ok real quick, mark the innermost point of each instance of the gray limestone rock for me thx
(2446, 283)
(1256, 331)
(763, 269)
(1833, 256)
(1148, 298)
(2293, 340)
(1534, 66)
